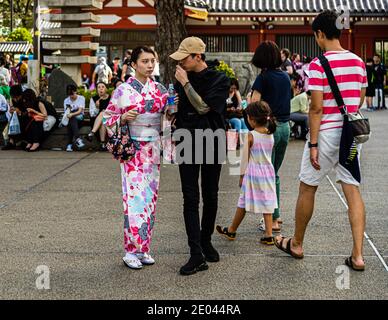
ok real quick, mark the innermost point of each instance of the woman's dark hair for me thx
(16, 90)
(295, 76)
(294, 56)
(138, 51)
(261, 113)
(101, 82)
(71, 89)
(116, 81)
(369, 60)
(326, 22)
(286, 52)
(29, 98)
(267, 56)
(234, 82)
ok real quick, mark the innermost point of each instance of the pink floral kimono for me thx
(140, 175)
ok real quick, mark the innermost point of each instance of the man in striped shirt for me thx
(321, 153)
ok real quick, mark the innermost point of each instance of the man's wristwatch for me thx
(313, 145)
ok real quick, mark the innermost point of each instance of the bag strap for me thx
(333, 84)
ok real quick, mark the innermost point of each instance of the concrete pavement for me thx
(64, 211)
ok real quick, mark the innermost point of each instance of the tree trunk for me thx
(171, 30)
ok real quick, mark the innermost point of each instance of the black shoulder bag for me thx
(355, 129)
(359, 125)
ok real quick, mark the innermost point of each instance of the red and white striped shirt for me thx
(350, 73)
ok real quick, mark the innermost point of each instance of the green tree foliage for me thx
(22, 13)
(224, 67)
(20, 34)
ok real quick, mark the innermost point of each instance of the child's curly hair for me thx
(261, 113)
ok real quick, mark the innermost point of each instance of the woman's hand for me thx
(176, 100)
(129, 116)
(70, 115)
(31, 110)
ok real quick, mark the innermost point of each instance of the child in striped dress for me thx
(257, 180)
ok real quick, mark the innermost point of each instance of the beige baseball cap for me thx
(189, 46)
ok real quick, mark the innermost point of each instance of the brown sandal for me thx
(287, 249)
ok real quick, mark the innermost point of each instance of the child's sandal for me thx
(224, 231)
(267, 240)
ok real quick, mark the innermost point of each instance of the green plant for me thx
(224, 67)
(20, 34)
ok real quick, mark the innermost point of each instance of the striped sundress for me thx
(258, 190)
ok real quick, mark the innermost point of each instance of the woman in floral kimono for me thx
(140, 102)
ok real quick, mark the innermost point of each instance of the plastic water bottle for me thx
(171, 98)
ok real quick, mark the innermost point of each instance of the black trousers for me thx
(73, 129)
(35, 132)
(199, 232)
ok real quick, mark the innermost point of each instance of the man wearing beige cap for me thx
(202, 106)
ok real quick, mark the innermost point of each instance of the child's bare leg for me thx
(238, 217)
(268, 224)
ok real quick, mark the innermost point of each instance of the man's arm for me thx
(362, 97)
(124, 72)
(315, 116)
(195, 99)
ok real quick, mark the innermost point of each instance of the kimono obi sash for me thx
(145, 125)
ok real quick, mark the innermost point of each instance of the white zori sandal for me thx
(145, 258)
(132, 261)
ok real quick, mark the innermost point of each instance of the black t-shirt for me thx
(275, 89)
(381, 71)
(213, 88)
(103, 103)
(285, 64)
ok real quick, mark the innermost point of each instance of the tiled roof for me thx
(356, 7)
(15, 47)
(197, 3)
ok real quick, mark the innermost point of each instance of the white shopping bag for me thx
(14, 125)
(65, 119)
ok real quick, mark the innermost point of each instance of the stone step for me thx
(69, 59)
(58, 139)
(97, 4)
(84, 31)
(70, 45)
(83, 17)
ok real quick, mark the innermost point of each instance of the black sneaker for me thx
(90, 136)
(193, 266)
(211, 254)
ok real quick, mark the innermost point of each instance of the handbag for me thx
(121, 145)
(359, 125)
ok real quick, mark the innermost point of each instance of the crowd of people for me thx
(287, 89)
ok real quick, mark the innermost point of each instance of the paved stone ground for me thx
(64, 210)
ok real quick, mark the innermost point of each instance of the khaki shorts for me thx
(328, 146)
